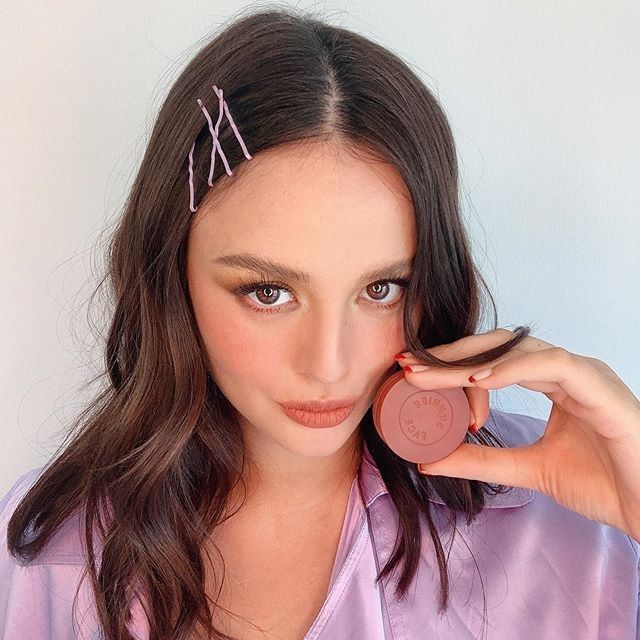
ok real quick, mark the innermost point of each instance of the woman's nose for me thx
(327, 346)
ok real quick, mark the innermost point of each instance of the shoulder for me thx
(546, 568)
(20, 486)
(65, 547)
(52, 596)
(12, 497)
(37, 598)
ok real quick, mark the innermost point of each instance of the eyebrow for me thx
(275, 269)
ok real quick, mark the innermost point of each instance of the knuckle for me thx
(561, 355)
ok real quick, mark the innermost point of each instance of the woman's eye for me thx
(380, 290)
(267, 294)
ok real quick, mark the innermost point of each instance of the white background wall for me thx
(543, 98)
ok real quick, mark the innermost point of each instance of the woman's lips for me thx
(319, 419)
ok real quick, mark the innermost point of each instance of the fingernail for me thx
(399, 356)
(473, 428)
(481, 375)
(416, 368)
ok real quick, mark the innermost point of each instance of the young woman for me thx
(283, 254)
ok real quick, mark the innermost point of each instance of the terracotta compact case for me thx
(420, 425)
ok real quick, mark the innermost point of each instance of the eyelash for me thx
(250, 287)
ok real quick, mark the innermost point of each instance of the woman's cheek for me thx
(222, 331)
(384, 340)
(236, 347)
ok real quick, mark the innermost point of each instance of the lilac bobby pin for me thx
(213, 157)
(216, 143)
(191, 178)
(222, 106)
(247, 155)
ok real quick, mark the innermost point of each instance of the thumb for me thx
(512, 466)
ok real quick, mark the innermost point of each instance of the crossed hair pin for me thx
(222, 107)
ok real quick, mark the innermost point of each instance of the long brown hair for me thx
(159, 446)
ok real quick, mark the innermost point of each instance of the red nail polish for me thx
(472, 379)
(407, 369)
(398, 355)
(473, 428)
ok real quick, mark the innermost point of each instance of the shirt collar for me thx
(372, 486)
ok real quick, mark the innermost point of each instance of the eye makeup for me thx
(261, 265)
(264, 282)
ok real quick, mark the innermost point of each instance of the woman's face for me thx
(320, 212)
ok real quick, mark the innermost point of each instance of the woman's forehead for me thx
(317, 190)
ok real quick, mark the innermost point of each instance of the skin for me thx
(316, 208)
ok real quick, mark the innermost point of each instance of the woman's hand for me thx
(588, 458)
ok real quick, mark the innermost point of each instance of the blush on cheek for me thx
(237, 348)
(387, 340)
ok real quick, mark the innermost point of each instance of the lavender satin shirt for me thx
(547, 572)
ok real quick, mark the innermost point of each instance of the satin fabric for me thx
(545, 571)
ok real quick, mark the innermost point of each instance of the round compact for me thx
(420, 425)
